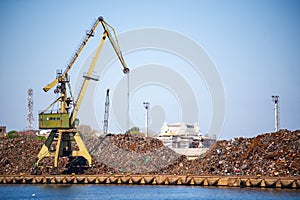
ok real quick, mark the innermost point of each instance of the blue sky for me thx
(255, 46)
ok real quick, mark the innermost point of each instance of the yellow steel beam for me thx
(75, 55)
(56, 157)
(82, 149)
(86, 80)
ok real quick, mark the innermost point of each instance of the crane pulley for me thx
(63, 122)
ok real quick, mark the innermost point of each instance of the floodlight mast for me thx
(275, 99)
(147, 106)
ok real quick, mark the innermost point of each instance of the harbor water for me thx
(124, 192)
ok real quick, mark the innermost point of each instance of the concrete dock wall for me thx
(265, 182)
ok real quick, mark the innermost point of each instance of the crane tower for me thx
(106, 112)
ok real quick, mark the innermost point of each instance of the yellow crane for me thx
(63, 122)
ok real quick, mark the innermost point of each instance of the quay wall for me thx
(228, 181)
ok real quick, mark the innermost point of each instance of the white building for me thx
(179, 129)
(185, 139)
(179, 135)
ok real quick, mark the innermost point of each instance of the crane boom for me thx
(86, 81)
(74, 57)
(115, 44)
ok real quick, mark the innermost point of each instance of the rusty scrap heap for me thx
(126, 153)
(271, 154)
(18, 154)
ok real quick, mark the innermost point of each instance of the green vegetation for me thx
(12, 134)
(40, 137)
(135, 131)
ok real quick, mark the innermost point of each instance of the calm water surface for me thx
(116, 192)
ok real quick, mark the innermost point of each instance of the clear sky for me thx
(255, 46)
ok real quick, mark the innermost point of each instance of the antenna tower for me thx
(30, 118)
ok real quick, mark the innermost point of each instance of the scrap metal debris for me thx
(132, 154)
(270, 154)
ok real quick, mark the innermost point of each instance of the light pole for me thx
(275, 99)
(147, 106)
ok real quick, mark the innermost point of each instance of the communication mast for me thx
(30, 118)
(106, 113)
(275, 99)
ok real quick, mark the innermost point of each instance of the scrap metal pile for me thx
(18, 154)
(271, 154)
(125, 153)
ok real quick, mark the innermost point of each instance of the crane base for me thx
(63, 143)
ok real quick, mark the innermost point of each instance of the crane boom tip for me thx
(126, 70)
(100, 18)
